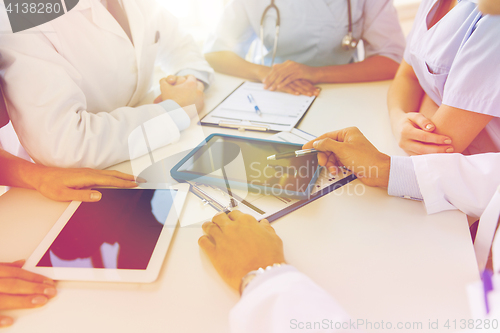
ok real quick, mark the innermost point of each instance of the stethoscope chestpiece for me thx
(349, 42)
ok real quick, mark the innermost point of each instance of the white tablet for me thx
(122, 238)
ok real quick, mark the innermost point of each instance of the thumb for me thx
(423, 122)
(78, 195)
(172, 79)
(327, 145)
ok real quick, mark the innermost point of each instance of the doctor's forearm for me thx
(230, 63)
(375, 68)
(17, 172)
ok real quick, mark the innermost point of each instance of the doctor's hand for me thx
(175, 80)
(185, 94)
(20, 289)
(71, 184)
(283, 74)
(414, 133)
(300, 87)
(350, 148)
(237, 243)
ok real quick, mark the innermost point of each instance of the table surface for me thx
(382, 258)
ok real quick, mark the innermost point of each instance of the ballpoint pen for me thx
(255, 106)
(487, 287)
(291, 154)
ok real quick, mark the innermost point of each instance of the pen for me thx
(487, 287)
(255, 106)
(291, 154)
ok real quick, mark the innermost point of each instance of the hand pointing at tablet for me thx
(20, 289)
(350, 148)
(57, 183)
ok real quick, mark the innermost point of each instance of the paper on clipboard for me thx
(259, 206)
(279, 111)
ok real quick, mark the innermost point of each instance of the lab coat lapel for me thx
(137, 28)
(105, 20)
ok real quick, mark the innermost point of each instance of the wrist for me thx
(316, 75)
(261, 72)
(32, 174)
(384, 166)
(250, 276)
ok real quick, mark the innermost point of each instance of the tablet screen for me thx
(245, 160)
(118, 232)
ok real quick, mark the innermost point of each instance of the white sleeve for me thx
(285, 300)
(455, 181)
(178, 50)
(49, 110)
(382, 33)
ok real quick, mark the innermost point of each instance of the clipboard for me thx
(280, 112)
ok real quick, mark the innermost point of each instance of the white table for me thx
(381, 257)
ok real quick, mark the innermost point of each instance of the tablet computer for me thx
(234, 162)
(122, 238)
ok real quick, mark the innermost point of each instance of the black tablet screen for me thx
(118, 232)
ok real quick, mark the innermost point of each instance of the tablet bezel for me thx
(185, 176)
(150, 274)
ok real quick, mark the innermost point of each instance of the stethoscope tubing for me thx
(353, 43)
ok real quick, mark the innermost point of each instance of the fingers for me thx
(342, 135)
(11, 302)
(69, 194)
(412, 133)
(327, 145)
(300, 88)
(6, 321)
(278, 81)
(158, 99)
(236, 215)
(206, 245)
(422, 121)
(119, 174)
(269, 80)
(420, 148)
(308, 86)
(15, 286)
(221, 219)
(88, 178)
(212, 229)
(290, 90)
(171, 79)
(17, 263)
(15, 272)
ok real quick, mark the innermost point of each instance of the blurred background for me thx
(199, 17)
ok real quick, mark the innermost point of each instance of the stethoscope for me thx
(348, 42)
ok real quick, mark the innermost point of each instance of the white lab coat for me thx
(73, 84)
(455, 181)
(278, 302)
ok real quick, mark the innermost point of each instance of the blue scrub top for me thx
(457, 63)
(311, 31)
